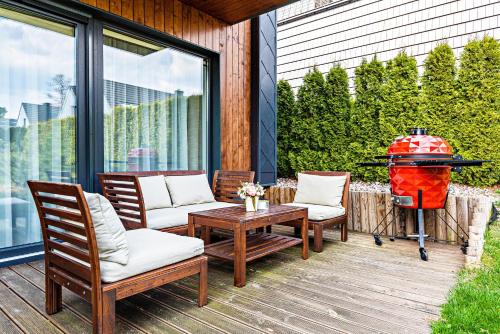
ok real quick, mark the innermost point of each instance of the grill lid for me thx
(418, 143)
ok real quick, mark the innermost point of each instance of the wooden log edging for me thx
(367, 209)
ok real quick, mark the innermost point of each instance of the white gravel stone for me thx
(455, 189)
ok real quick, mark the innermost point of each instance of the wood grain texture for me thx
(233, 12)
(195, 25)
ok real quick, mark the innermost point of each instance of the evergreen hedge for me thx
(323, 129)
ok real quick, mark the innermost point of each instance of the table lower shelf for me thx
(258, 245)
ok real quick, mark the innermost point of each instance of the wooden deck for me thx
(351, 287)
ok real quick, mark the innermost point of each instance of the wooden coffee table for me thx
(242, 248)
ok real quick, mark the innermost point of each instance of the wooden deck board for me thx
(352, 287)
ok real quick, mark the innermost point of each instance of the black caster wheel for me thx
(423, 254)
(378, 241)
(392, 239)
(464, 246)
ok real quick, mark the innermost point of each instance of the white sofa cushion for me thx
(189, 189)
(109, 231)
(320, 212)
(155, 192)
(172, 217)
(149, 250)
(319, 189)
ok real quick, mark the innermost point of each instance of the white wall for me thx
(363, 28)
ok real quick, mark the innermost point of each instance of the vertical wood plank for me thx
(247, 91)
(235, 123)
(202, 39)
(103, 4)
(399, 220)
(115, 7)
(380, 211)
(149, 13)
(169, 16)
(159, 14)
(372, 212)
(178, 18)
(451, 207)
(223, 91)
(139, 11)
(241, 98)
(357, 211)
(217, 35)
(441, 225)
(194, 25)
(228, 113)
(391, 229)
(186, 22)
(410, 222)
(209, 28)
(89, 2)
(430, 223)
(364, 202)
(128, 9)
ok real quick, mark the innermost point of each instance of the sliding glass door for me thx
(37, 116)
(155, 106)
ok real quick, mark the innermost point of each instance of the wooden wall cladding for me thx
(231, 41)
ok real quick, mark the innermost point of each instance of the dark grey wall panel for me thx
(264, 146)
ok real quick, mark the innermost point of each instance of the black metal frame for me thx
(89, 22)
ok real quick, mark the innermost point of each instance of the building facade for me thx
(323, 32)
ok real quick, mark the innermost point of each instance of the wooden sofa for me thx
(124, 191)
(72, 257)
(318, 225)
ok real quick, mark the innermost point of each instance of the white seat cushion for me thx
(189, 189)
(320, 212)
(155, 192)
(109, 231)
(149, 250)
(172, 217)
(319, 189)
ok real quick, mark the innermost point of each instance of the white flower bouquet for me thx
(251, 193)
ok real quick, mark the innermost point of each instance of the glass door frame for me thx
(89, 22)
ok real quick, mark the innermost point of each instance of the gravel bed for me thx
(455, 189)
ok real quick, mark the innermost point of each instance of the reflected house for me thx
(31, 113)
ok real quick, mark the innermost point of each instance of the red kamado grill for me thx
(420, 167)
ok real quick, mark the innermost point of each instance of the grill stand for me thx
(421, 229)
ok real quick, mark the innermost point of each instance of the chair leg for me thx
(343, 232)
(104, 316)
(296, 231)
(203, 284)
(53, 296)
(318, 238)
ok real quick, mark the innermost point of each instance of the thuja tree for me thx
(286, 112)
(334, 122)
(308, 150)
(477, 110)
(363, 130)
(399, 98)
(438, 94)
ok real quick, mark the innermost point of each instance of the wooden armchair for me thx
(123, 190)
(72, 257)
(318, 225)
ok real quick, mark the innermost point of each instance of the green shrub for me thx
(438, 95)
(286, 111)
(477, 132)
(363, 130)
(399, 98)
(335, 120)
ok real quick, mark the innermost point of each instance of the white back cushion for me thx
(189, 189)
(155, 192)
(319, 189)
(109, 231)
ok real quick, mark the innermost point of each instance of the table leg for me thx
(305, 238)
(240, 253)
(205, 234)
(190, 226)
